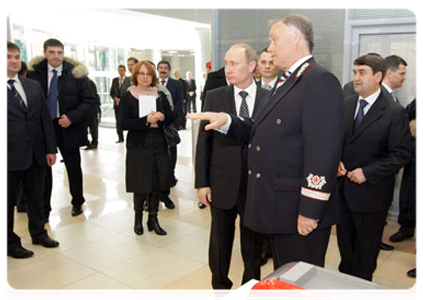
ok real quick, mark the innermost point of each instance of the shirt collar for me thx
(15, 78)
(388, 88)
(371, 98)
(299, 63)
(251, 90)
(58, 69)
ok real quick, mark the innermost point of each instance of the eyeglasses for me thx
(145, 74)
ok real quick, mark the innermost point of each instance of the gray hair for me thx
(250, 53)
(303, 24)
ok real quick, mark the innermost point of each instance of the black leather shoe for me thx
(154, 225)
(76, 210)
(119, 141)
(412, 273)
(46, 242)
(201, 205)
(401, 235)
(386, 247)
(21, 209)
(168, 203)
(91, 147)
(20, 252)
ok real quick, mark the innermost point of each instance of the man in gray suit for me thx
(31, 145)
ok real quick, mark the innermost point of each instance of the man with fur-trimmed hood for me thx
(70, 102)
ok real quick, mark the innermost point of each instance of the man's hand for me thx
(357, 176)
(305, 225)
(51, 159)
(341, 169)
(216, 120)
(204, 194)
(117, 100)
(64, 121)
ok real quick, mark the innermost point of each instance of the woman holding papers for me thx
(143, 112)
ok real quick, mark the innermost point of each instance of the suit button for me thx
(258, 148)
(249, 146)
(258, 175)
(252, 120)
(249, 172)
(279, 121)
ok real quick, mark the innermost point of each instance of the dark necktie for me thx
(360, 114)
(120, 82)
(243, 112)
(52, 96)
(163, 82)
(16, 94)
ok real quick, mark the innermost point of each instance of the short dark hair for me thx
(393, 62)
(132, 58)
(53, 43)
(164, 62)
(122, 66)
(24, 69)
(12, 46)
(262, 51)
(375, 62)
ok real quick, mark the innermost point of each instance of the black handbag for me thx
(171, 136)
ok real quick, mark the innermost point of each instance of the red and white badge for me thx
(316, 181)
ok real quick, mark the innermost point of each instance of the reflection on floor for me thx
(99, 250)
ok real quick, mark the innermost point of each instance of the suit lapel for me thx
(260, 97)
(229, 100)
(374, 113)
(351, 105)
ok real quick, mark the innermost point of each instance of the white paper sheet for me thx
(146, 104)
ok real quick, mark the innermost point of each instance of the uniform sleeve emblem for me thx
(315, 181)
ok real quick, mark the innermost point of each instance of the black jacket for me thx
(76, 97)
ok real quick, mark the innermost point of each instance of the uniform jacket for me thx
(76, 98)
(381, 146)
(219, 162)
(30, 134)
(294, 152)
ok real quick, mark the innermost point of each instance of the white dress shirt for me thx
(19, 88)
(370, 100)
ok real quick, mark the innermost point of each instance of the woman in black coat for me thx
(148, 168)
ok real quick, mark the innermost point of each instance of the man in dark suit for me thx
(268, 71)
(70, 101)
(119, 86)
(221, 168)
(376, 146)
(214, 80)
(192, 93)
(396, 69)
(294, 149)
(30, 147)
(175, 89)
(184, 109)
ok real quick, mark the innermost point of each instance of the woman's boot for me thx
(139, 200)
(153, 208)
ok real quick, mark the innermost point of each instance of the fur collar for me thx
(78, 69)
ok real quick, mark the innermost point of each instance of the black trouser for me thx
(119, 129)
(93, 127)
(221, 242)
(359, 236)
(407, 199)
(32, 181)
(295, 247)
(72, 160)
(191, 102)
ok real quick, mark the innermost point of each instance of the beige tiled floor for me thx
(98, 250)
